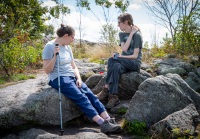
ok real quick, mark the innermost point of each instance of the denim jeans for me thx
(82, 96)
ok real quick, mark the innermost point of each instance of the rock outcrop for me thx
(159, 97)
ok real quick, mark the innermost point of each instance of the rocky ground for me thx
(78, 126)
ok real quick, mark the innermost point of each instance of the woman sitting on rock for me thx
(71, 84)
(129, 60)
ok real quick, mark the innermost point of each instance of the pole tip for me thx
(61, 132)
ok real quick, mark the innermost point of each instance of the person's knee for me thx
(110, 60)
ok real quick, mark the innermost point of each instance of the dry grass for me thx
(96, 52)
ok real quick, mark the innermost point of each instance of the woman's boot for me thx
(113, 101)
(103, 94)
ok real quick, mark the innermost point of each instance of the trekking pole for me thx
(61, 124)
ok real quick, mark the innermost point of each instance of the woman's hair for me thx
(127, 17)
(65, 30)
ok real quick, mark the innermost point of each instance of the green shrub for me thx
(122, 111)
(17, 56)
(135, 127)
(177, 133)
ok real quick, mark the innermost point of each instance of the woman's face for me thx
(72, 37)
(69, 38)
(121, 25)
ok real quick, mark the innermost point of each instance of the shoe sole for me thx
(115, 130)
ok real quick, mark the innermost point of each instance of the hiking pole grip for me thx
(57, 52)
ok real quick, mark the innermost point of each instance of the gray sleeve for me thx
(138, 41)
(47, 53)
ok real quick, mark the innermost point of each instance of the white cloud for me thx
(134, 7)
(49, 3)
(146, 31)
(91, 28)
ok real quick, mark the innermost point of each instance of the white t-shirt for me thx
(65, 59)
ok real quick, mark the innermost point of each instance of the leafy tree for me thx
(181, 18)
(21, 15)
(122, 5)
(188, 36)
(168, 12)
(58, 10)
(109, 33)
(21, 21)
(49, 30)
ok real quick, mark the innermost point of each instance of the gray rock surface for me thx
(158, 97)
(128, 83)
(182, 120)
(33, 101)
(175, 66)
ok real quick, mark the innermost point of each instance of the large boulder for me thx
(193, 80)
(175, 66)
(33, 101)
(158, 97)
(86, 69)
(181, 120)
(128, 83)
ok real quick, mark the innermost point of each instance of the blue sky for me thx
(91, 26)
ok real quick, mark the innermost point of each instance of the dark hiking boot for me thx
(112, 120)
(103, 94)
(113, 101)
(107, 127)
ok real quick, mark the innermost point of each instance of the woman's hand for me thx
(56, 50)
(79, 82)
(134, 29)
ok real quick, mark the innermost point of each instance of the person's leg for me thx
(70, 90)
(130, 65)
(98, 106)
(110, 68)
(114, 73)
(123, 65)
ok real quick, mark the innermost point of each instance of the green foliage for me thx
(105, 3)
(122, 5)
(135, 127)
(188, 35)
(177, 133)
(19, 77)
(109, 34)
(157, 52)
(49, 30)
(22, 15)
(58, 9)
(22, 23)
(83, 3)
(17, 56)
(14, 78)
(122, 111)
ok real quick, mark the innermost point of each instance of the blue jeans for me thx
(82, 96)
